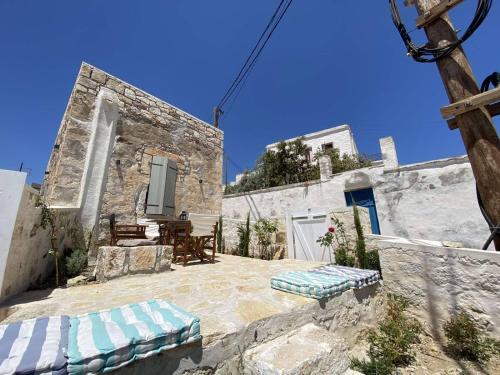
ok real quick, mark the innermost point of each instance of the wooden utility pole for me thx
(476, 127)
(217, 113)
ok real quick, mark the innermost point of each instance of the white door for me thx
(303, 229)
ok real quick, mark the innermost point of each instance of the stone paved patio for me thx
(226, 295)
(234, 300)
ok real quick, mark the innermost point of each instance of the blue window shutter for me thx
(156, 193)
(170, 184)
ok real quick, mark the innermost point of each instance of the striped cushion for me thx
(106, 340)
(357, 277)
(312, 285)
(34, 346)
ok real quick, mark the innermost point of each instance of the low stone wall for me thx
(441, 281)
(115, 261)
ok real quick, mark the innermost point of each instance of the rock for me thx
(352, 372)
(115, 261)
(453, 244)
(129, 93)
(98, 76)
(307, 350)
(135, 243)
(76, 280)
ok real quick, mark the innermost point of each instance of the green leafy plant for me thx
(244, 232)
(264, 230)
(221, 248)
(342, 163)
(467, 341)
(360, 238)
(373, 261)
(391, 344)
(75, 263)
(288, 164)
(48, 221)
(336, 240)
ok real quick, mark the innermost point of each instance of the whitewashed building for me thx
(339, 137)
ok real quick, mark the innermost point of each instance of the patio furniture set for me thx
(190, 237)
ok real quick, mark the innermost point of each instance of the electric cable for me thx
(432, 54)
(273, 23)
(494, 80)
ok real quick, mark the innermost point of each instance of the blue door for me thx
(364, 198)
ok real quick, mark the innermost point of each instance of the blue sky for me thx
(330, 62)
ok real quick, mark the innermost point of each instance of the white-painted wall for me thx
(435, 200)
(441, 281)
(24, 245)
(11, 191)
(340, 136)
(98, 155)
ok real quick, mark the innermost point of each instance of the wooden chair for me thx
(179, 234)
(125, 231)
(205, 228)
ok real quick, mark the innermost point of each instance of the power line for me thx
(273, 23)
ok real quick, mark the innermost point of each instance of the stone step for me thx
(306, 350)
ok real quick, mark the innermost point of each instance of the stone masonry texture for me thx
(146, 126)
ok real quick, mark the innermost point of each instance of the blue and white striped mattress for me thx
(34, 346)
(358, 278)
(106, 340)
(308, 284)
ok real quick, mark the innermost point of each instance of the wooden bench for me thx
(125, 231)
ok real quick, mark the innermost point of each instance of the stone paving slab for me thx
(308, 350)
(227, 295)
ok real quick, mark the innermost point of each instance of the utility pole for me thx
(217, 113)
(476, 127)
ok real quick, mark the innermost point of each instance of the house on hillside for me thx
(122, 151)
(339, 137)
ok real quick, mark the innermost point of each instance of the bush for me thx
(391, 343)
(373, 261)
(221, 245)
(244, 234)
(467, 341)
(75, 263)
(360, 238)
(264, 229)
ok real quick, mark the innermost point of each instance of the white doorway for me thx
(304, 227)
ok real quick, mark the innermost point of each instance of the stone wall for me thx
(115, 261)
(137, 126)
(434, 200)
(26, 260)
(441, 281)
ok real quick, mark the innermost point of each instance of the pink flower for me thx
(331, 229)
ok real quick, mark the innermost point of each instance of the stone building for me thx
(122, 151)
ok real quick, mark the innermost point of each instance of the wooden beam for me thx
(493, 110)
(436, 12)
(471, 103)
(476, 127)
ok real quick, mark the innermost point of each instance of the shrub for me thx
(75, 263)
(373, 261)
(264, 229)
(221, 248)
(391, 343)
(244, 236)
(342, 163)
(466, 340)
(360, 238)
